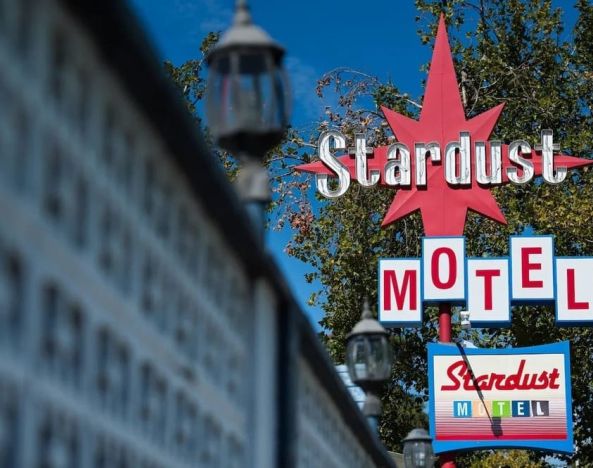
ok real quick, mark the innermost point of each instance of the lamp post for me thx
(418, 449)
(369, 358)
(247, 104)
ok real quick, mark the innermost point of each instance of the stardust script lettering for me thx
(461, 377)
(400, 161)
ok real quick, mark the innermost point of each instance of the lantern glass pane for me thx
(217, 95)
(369, 358)
(380, 357)
(247, 111)
(418, 454)
(357, 358)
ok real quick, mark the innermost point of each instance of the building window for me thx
(209, 271)
(113, 374)
(211, 443)
(153, 403)
(166, 310)
(163, 212)
(152, 292)
(188, 241)
(9, 425)
(20, 153)
(235, 453)
(65, 197)
(7, 98)
(108, 152)
(82, 98)
(14, 144)
(185, 327)
(183, 234)
(125, 169)
(195, 254)
(234, 375)
(109, 454)
(158, 293)
(115, 250)
(148, 188)
(149, 296)
(211, 353)
(3, 17)
(79, 222)
(59, 444)
(157, 200)
(11, 300)
(62, 337)
(53, 174)
(23, 24)
(118, 150)
(57, 67)
(185, 427)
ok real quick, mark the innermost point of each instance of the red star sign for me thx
(443, 206)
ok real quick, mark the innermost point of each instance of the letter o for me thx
(434, 267)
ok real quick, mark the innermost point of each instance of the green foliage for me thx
(191, 84)
(188, 77)
(504, 459)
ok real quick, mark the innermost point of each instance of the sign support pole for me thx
(445, 322)
(447, 459)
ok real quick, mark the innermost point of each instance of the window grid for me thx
(70, 191)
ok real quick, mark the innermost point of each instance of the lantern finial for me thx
(242, 13)
(366, 310)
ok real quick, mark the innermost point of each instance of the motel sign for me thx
(444, 165)
(487, 286)
(490, 398)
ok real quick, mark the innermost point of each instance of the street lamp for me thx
(369, 358)
(418, 449)
(247, 101)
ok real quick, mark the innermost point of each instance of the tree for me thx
(506, 459)
(188, 77)
(512, 51)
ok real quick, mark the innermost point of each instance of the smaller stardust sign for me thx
(500, 398)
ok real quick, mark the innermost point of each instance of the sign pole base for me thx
(447, 460)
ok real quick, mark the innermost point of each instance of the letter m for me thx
(392, 288)
(462, 409)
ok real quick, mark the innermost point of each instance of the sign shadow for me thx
(495, 421)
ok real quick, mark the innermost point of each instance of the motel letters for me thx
(487, 286)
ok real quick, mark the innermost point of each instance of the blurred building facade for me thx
(141, 324)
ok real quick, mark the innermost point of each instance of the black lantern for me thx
(418, 449)
(369, 358)
(247, 100)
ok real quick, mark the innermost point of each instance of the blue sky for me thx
(377, 37)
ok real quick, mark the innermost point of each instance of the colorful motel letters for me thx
(501, 408)
(487, 287)
(489, 398)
